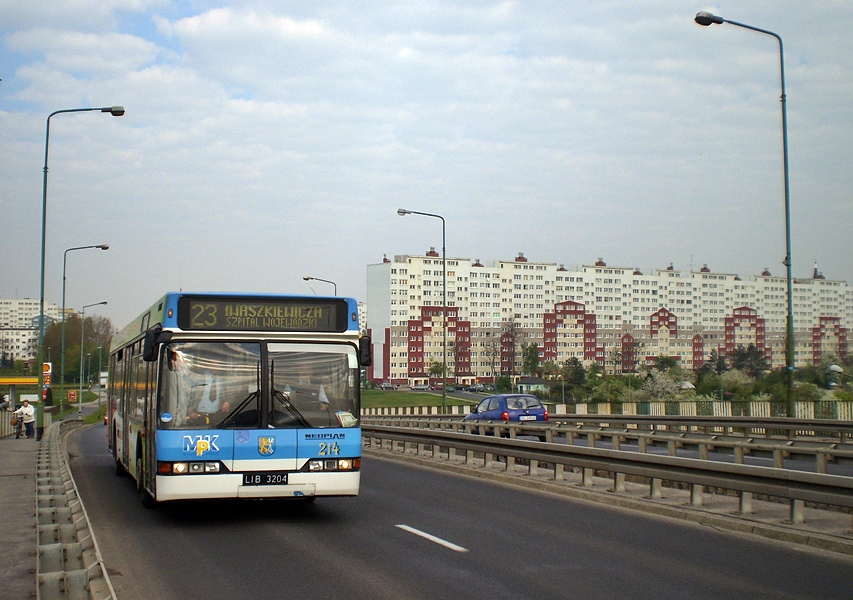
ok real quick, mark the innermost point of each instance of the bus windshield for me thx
(226, 385)
(313, 385)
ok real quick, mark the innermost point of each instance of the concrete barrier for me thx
(69, 564)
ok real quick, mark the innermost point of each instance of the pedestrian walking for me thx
(28, 415)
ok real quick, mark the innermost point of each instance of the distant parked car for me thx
(436, 386)
(477, 387)
(387, 386)
(420, 388)
(509, 407)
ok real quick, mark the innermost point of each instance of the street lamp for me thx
(62, 359)
(403, 212)
(116, 111)
(82, 329)
(307, 278)
(836, 370)
(705, 18)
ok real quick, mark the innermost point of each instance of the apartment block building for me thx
(617, 317)
(19, 327)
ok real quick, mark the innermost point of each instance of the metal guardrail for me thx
(797, 487)
(841, 431)
(833, 410)
(786, 435)
(69, 563)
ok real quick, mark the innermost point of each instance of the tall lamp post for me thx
(116, 111)
(307, 278)
(64, 260)
(403, 212)
(706, 19)
(89, 370)
(82, 344)
(100, 366)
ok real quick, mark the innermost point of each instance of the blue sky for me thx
(268, 140)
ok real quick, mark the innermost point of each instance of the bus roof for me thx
(165, 312)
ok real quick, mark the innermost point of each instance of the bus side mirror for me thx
(153, 338)
(365, 352)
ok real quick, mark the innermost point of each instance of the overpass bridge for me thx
(37, 484)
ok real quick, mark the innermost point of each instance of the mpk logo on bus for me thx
(200, 444)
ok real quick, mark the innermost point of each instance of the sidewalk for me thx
(19, 538)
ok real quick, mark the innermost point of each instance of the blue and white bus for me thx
(238, 396)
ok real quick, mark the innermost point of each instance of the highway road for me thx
(423, 534)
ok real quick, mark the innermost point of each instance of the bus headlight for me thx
(188, 468)
(334, 464)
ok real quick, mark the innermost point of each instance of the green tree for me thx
(503, 383)
(807, 392)
(610, 390)
(660, 387)
(529, 359)
(665, 363)
(615, 356)
(750, 360)
(509, 338)
(98, 333)
(436, 369)
(715, 365)
(573, 372)
(738, 384)
(550, 369)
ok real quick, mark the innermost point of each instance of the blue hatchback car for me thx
(509, 407)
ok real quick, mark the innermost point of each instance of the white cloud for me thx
(86, 54)
(266, 139)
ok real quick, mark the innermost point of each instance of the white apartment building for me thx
(618, 317)
(19, 327)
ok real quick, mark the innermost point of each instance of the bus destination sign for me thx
(261, 314)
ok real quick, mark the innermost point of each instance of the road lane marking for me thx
(432, 538)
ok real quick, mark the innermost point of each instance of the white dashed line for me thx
(432, 538)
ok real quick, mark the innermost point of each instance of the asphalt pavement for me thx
(19, 536)
(18, 540)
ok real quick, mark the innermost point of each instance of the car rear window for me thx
(522, 402)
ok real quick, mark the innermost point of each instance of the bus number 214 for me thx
(329, 449)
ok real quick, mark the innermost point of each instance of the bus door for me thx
(149, 422)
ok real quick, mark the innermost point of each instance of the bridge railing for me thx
(819, 409)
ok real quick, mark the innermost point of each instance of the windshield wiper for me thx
(288, 405)
(233, 414)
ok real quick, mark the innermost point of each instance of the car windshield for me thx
(522, 402)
